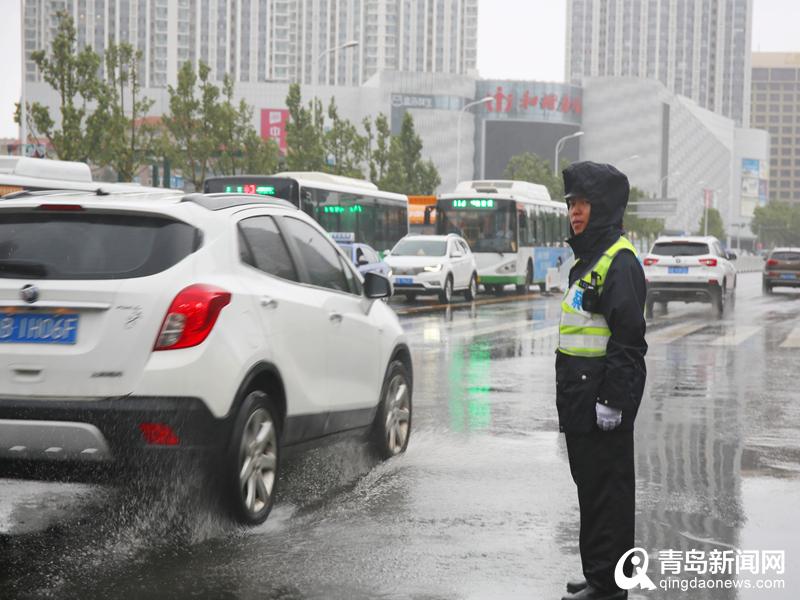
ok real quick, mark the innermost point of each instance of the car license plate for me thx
(404, 281)
(676, 270)
(788, 276)
(38, 328)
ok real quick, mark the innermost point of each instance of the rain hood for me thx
(607, 190)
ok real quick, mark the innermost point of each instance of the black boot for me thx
(576, 586)
(591, 593)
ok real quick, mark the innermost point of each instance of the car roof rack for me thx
(225, 200)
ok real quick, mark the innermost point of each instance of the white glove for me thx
(607, 417)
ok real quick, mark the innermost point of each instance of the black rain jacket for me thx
(618, 378)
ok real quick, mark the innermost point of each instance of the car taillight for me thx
(709, 262)
(191, 316)
(772, 262)
(158, 434)
(650, 261)
(60, 207)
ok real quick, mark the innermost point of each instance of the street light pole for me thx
(350, 44)
(23, 109)
(661, 183)
(345, 46)
(485, 100)
(559, 145)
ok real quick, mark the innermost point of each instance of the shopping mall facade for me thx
(682, 155)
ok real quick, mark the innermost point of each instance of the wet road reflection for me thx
(482, 505)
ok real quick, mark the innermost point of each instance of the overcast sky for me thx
(517, 39)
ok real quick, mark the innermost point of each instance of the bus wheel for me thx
(526, 287)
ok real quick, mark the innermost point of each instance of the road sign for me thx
(655, 208)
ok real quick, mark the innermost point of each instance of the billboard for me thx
(273, 126)
(753, 190)
(403, 102)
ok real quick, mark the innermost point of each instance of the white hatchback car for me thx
(139, 326)
(433, 264)
(689, 269)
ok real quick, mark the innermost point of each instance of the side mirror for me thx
(377, 285)
(386, 253)
(362, 260)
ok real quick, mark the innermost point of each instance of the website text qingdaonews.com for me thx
(673, 583)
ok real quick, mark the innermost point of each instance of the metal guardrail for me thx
(749, 264)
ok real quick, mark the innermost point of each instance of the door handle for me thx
(267, 302)
(335, 318)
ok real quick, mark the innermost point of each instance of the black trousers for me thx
(601, 463)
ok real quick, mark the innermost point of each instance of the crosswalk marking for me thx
(736, 335)
(675, 332)
(792, 340)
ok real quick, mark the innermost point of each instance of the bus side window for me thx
(523, 227)
(307, 203)
(537, 226)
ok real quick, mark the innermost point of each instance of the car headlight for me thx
(433, 268)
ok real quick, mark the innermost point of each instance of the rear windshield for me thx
(91, 246)
(786, 255)
(420, 248)
(680, 249)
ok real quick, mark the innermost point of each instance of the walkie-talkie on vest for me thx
(591, 293)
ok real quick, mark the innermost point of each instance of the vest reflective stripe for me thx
(581, 333)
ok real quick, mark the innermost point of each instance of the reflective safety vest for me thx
(583, 333)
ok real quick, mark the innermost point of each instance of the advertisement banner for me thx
(273, 126)
(751, 167)
(750, 187)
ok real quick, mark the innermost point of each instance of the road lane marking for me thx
(792, 340)
(674, 332)
(736, 336)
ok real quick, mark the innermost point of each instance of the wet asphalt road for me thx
(482, 505)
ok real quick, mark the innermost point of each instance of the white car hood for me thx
(414, 261)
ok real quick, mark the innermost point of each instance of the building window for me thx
(782, 74)
(760, 74)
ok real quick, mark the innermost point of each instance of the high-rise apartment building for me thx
(696, 48)
(776, 108)
(271, 40)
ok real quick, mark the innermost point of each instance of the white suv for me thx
(689, 269)
(139, 326)
(434, 264)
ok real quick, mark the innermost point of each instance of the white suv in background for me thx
(433, 264)
(689, 269)
(140, 327)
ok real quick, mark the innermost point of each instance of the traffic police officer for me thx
(600, 372)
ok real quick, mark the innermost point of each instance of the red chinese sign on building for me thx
(273, 126)
(532, 100)
(505, 102)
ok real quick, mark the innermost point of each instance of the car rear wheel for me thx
(251, 463)
(446, 295)
(766, 288)
(410, 297)
(718, 301)
(392, 426)
(472, 290)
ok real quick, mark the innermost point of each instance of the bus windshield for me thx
(488, 224)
